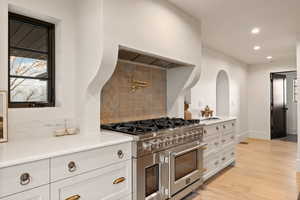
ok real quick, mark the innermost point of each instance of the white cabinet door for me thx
(109, 183)
(41, 193)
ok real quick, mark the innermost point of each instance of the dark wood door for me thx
(278, 106)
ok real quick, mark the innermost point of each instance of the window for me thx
(31, 62)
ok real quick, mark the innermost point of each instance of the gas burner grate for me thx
(146, 126)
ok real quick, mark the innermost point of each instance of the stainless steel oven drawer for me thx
(185, 166)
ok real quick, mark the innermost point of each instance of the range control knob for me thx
(146, 146)
(160, 143)
(167, 141)
(154, 144)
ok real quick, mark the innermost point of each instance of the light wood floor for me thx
(265, 170)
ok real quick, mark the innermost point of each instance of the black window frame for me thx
(50, 63)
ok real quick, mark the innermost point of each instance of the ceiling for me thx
(227, 25)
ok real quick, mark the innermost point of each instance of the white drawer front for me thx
(228, 127)
(99, 184)
(211, 163)
(228, 140)
(213, 146)
(23, 177)
(74, 164)
(211, 132)
(127, 198)
(227, 156)
(40, 193)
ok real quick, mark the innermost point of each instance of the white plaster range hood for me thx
(176, 39)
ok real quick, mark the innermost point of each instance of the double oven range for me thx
(167, 157)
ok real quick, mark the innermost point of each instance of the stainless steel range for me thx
(168, 156)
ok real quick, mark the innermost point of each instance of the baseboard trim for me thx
(243, 136)
(258, 135)
(292, 131)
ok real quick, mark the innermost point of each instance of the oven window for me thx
(185, 164)
(152, 179)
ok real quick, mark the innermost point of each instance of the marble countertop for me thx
(215, 121)
(23, 151)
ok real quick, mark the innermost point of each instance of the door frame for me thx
(271, 98)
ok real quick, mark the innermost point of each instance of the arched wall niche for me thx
(222, 94)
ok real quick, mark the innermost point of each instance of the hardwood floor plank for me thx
(265, 170)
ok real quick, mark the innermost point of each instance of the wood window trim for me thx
(50, 63)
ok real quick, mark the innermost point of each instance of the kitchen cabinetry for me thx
(110, 183)
(41, 193)
(101, 173)
(221, 141)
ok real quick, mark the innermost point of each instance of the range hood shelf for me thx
(141, 58)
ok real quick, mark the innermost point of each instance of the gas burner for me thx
(151, 125)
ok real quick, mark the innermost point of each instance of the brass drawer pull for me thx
(224, 158)
(25, 179)
(75, 197)
(119, 180)
(224, 126)
(72, 166)
(205, 131)
(217, 128)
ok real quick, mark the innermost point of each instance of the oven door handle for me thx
(201, 146)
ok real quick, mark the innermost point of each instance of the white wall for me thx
(291, 104)
(259, 96)
(42, 121)
(204, 92)
(298, 99)
(155, 27)
(88, 35)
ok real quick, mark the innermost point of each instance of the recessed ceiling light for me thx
(255, 31)
(256, 48)
(269, 57)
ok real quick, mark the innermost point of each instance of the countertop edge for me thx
(72, 150)
(212, 122)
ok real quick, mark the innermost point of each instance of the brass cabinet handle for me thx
(233, 124)
(217, 128)
(232, 153)
(224, 158)
(224, 126)
(205, 131)
(75, 197)
(25, 179)
(72, 166)
(119, 180)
